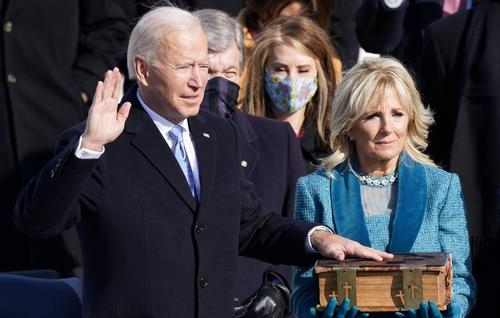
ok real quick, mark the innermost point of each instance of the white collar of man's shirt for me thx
(164, 125)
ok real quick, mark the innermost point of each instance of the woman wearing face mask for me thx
(290, 76)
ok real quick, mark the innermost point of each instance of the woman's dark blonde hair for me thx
(366, 84)
(304, 35)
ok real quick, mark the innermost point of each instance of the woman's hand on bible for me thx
(342, 311)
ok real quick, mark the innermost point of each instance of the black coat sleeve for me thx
(269, 237)
(380, 29)
(52, 201)
(104, 31)
(296, 169)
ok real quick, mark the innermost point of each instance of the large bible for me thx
(401, 283)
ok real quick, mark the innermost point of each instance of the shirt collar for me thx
(162, 123)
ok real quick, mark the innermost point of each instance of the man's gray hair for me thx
(146, 35)
(221, 30)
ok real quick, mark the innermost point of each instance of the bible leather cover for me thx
(401, 283)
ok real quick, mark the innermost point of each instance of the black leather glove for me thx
(271, 300)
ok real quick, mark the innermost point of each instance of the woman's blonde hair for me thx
(364, 85)
(304, 35)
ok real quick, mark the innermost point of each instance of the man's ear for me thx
(141, 70)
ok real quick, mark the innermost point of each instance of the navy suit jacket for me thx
(273, 164)
(271, 160)
(149, 249)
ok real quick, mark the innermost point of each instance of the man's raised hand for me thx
(105, 121)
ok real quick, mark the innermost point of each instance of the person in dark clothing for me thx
(343, 31)
(395, 27)
(459, 75)
(51, 53)
(269, 151)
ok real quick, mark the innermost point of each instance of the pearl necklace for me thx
(376, 181)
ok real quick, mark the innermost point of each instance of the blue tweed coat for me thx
(429, 217)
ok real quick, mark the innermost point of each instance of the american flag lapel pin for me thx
(206, 135)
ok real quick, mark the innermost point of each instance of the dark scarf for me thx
(220, 97)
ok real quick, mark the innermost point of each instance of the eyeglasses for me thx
(185, 69)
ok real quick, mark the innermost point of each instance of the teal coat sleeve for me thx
(453, 238)
(309, 206)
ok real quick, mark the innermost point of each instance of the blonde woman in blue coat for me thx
(380, 188)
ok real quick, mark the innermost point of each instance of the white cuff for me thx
(393, 4)
(309, 248)
(83, 153)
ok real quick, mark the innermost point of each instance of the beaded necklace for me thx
(375, 181)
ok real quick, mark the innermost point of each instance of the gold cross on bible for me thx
(413, 287)
(346, 288)
(401, 295)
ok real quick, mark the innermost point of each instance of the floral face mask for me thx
(290, 94)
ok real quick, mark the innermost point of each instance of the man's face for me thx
(174, 84)
(225, 64)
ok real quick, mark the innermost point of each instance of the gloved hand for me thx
(271, 300)
(430, 310)
(342, 311)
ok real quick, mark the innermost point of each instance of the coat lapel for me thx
(348, 216)
(410, 205)
(248, 137)
(152, 145)
(204, 140)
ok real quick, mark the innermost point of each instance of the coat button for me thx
(7, 27)
(11, 79)
(199, 228)
(203, 282)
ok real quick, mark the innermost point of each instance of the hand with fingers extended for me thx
(430, 310)
(337, 247)
(342, 311)
(105, 121)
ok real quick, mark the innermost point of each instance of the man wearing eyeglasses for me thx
(156, 190)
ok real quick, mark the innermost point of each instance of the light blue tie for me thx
(180, 154)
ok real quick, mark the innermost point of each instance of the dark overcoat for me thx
(460, 79)
(50, 52)
(149, 249)
(397, 32)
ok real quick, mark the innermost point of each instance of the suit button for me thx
(11, 79)
(199, 228)
(203, 282)
(7, 27)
